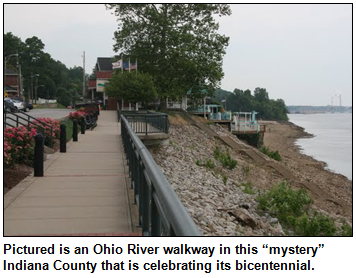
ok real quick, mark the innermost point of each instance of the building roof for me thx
(104, 64)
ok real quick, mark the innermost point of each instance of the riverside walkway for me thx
(83, 192)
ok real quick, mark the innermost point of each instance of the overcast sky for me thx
(300, 53)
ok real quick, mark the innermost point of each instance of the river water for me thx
(332, 141)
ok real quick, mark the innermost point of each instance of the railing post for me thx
(75, 130)
(146, 120)
(38, 155)
(63, 138)
(82, 125)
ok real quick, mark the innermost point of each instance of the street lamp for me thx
(36, 92)
(31, 96)
(6, 60)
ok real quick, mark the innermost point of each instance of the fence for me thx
(161, 213)
(147, 122)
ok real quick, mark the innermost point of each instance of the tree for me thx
(177, 44)
(132, 87)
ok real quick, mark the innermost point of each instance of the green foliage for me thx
(346, 230)
(208, 164)
(272, 154)
(64, 97)
(246, 170)
(292, 208)
(224, 178)
(34, 60)
(239, 100)
(133, 87)
(69, 128)
(177, 44)
(248, 188)
(225, 158)
(318, 225)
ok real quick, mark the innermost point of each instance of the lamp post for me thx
(6, 60)
(36, 92)
(31, 95)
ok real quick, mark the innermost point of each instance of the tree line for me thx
(54, 81)
(259, 101)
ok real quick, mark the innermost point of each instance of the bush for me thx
(18, 145)
(77, 115)
(208, 164)
(224, 178)
(45, 129)
(292, 208)
(225, 158)
(248, 188)
(272, 154)
(318, 225)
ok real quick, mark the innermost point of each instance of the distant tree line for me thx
(259, 101)
(303, 109)
(58, 81)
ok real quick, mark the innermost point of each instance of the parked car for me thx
(9, 105)
(28, 106)
(20, 105)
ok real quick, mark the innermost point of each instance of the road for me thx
(40, 113)
(50, 113)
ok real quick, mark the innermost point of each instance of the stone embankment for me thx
(219, 209)
(222, 202)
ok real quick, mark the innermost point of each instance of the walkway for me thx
(83, 191)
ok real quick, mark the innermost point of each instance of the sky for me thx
(299, 53)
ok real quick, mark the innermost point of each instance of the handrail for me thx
(28, 123)
(160, 210)
(147, 122)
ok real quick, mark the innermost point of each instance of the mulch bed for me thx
(15, 175)
(12, 176)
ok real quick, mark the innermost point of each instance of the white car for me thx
(20, 105)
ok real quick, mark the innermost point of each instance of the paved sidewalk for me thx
(83, 191)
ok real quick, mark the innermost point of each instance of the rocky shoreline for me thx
(222, 202)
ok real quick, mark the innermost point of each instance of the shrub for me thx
(209, 164)
(283, 202)
(346, 230)
(225, 158)
(248, 188)
(18, 145)
(318, 225)
(45, 128)
(76, 115)
(7, 154)
(292, 208)
(224, 178)
(272, 154)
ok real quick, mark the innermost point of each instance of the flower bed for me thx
(18, 145)
(46, 128)
(76, 115)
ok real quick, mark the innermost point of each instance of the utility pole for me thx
(83, 75)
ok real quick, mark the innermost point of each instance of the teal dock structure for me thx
(212, 112)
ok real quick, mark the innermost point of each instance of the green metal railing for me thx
(147, 122)
(161, 213)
